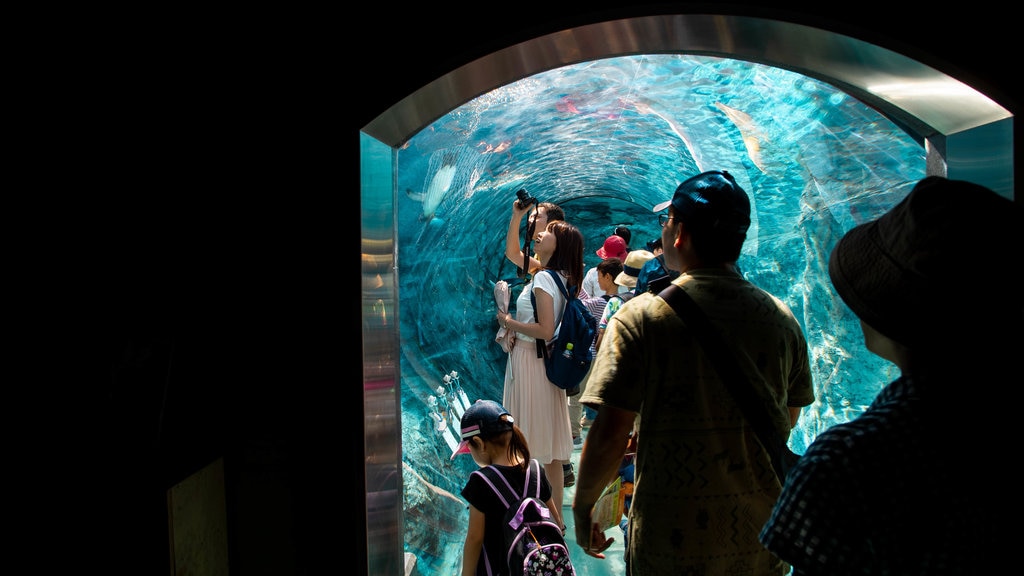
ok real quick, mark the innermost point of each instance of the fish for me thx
(567, 104)
(678, 129)
(492, 149)
(439, 185)
(753, 135)
(505, 180)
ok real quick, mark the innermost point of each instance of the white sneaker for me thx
(577, 442)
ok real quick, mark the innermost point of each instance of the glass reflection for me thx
(607, 140)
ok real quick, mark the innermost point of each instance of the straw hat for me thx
(631, 267)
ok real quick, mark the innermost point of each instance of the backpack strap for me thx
(504, 490)
(558, 280)
(499, 484)
(542, 348)
(532, 479)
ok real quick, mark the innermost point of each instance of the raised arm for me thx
(513, 249)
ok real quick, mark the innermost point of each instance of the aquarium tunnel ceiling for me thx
(823, 132)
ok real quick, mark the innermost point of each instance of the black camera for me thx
(524, 198)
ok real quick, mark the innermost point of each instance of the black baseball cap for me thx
(485, 418)
(712, 200)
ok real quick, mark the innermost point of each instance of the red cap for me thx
(614, 247)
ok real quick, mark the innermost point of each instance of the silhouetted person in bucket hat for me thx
(910, 486)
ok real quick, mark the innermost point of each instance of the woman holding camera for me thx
(544, 213)
(540, 408)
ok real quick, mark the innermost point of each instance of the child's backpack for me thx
(567, 358)
(624, 296)
(533, 542)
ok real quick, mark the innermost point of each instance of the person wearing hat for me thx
(704, 485)
(541, 408)
(654, 276)
(490, 435)
(932, 282)
(613, 247)
(635, 261)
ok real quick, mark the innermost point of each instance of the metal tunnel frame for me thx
(966, 134)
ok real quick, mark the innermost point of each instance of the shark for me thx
(752, 134)
(677, 129)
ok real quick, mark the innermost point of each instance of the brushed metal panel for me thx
(917, 95)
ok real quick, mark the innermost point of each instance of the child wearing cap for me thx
(614, 247)
(490, 435)
(626, 279)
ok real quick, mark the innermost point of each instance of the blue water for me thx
(607, 140)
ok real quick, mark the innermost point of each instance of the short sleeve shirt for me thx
(704, 487)
(478, 493)
(609, 310)
(590, 283)
(542, 280)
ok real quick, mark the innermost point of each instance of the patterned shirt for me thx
(613, 306)
(596, 308)
(886, 494)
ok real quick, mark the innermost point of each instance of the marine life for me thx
(752, 134)
(567, 104)
(677, 128)
(440, 182)
(492, 149)
(506, 180)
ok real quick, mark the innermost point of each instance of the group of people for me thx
(881, 494)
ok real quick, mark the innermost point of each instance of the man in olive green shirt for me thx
(704, 486)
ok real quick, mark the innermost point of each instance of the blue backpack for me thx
(567, 358)
(534, 545)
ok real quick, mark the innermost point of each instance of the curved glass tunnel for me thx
(606, 139)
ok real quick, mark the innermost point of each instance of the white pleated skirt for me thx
(540, 408)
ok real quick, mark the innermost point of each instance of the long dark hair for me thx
(568, 254)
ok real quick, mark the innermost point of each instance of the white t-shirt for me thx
(592, 287)
(542, 280)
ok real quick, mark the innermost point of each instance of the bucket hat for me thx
(906, 274)
(635, 260)
(614, 247)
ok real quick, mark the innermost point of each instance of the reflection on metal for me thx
(381, 409)
(968, 137)
(926, 101)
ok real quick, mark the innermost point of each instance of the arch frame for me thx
(967, 135)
